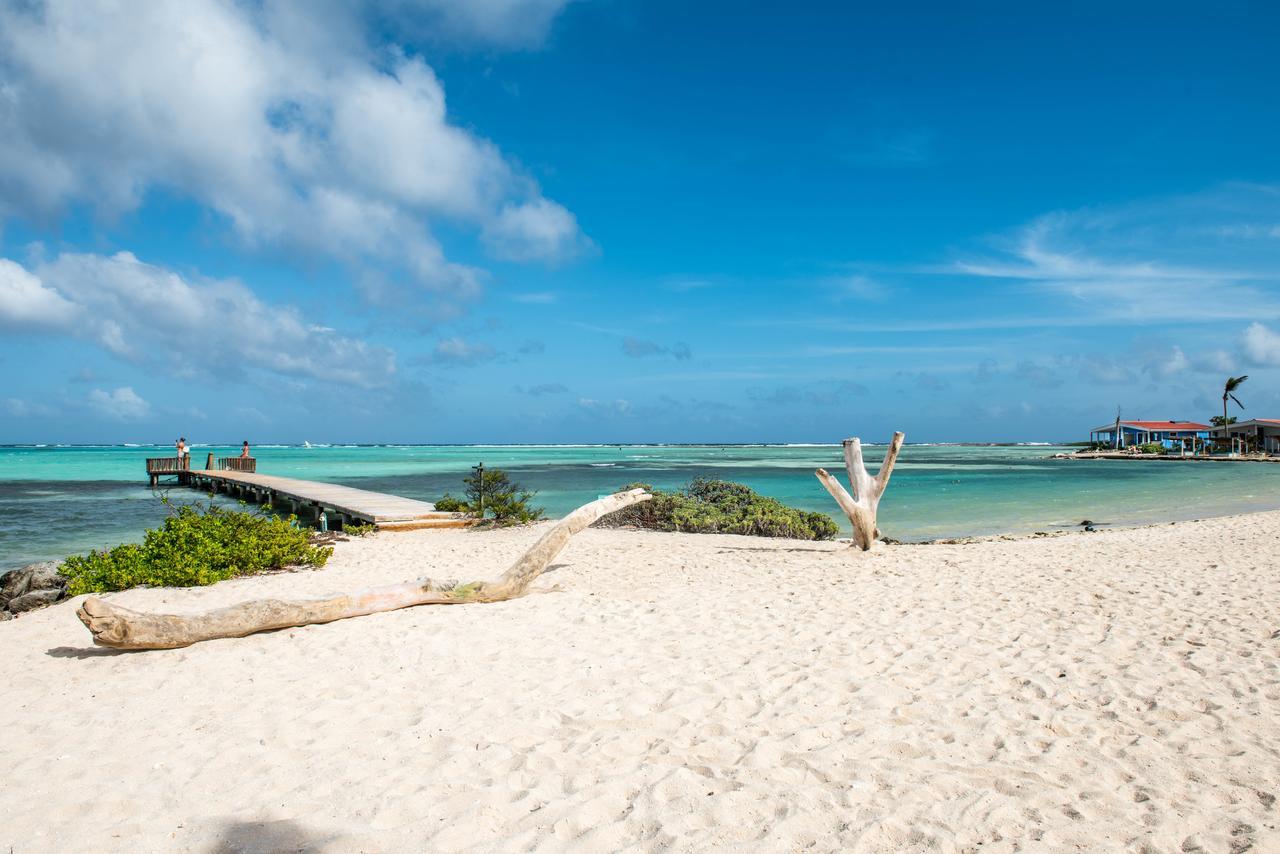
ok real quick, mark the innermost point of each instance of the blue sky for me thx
(540, 221)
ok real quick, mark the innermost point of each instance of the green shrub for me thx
(1151, 448)
(448, 504)
(721, 507)
(197, 545)
(492, 495)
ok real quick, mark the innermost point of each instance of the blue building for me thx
(1171, 434)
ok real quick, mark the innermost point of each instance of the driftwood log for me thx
(122, 628)
(862, 505)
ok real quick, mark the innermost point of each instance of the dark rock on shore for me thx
(32, 586)
(34, 599)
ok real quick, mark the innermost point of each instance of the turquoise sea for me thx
(55, 501)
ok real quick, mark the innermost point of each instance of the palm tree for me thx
(1233, 383)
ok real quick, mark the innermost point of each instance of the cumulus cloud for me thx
(121, 404)
(814, 394)
(987, 370)
(859, 288)
(532, 231)
(1215, 361)
(1163, 364)
(1037, 374)
(1261, 345)
(518, 23)
(535, 298)
(606, 408)
(18, 408)
(547, 388)
(27, 305)
(923, 380)
(151, 315)
(1104, 370)
(638, 348)
(294, 131)
(459, 351)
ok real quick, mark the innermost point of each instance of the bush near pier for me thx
(197, 545)
(721, 507)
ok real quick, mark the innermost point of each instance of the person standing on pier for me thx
(184, 453)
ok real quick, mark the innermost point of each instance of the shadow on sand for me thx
(267, 837)
(83, 652)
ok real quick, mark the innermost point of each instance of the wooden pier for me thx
(325, 505)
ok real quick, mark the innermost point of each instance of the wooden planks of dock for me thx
(314, 501)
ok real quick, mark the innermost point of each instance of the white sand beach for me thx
(1116, 691)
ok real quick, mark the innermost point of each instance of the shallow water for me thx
(55, 501)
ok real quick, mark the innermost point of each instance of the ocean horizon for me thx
(57, 500)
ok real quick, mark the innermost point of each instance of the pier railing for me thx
(168, 465)
(244, 464)
(157, 467)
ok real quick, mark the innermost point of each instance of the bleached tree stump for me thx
(861, 507)
(123, 628)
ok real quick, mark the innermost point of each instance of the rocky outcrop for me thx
(34, 599)
(33, 586)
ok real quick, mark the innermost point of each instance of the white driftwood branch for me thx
(861, 507)
(123, 628)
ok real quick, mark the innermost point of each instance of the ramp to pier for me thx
(376, 508)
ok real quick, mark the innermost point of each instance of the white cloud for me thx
(121, 404)
(292, 129)
(859, 288)
(533, 230)
(1104, 370)
(26, 409)
(535, 298)
(1163, 364)
(1215, 361)
(1038, 375)
(212, 328)
(1261, 345)
(27, 305)
(638, 348)
(459, 351)
(607, 408)
(1162, 261)
(503, 22)
(547, 388)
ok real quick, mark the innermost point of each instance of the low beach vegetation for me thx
(490, 494)
(721, 507)
(197, 545)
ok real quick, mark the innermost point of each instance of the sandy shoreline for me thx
(1109, 691)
